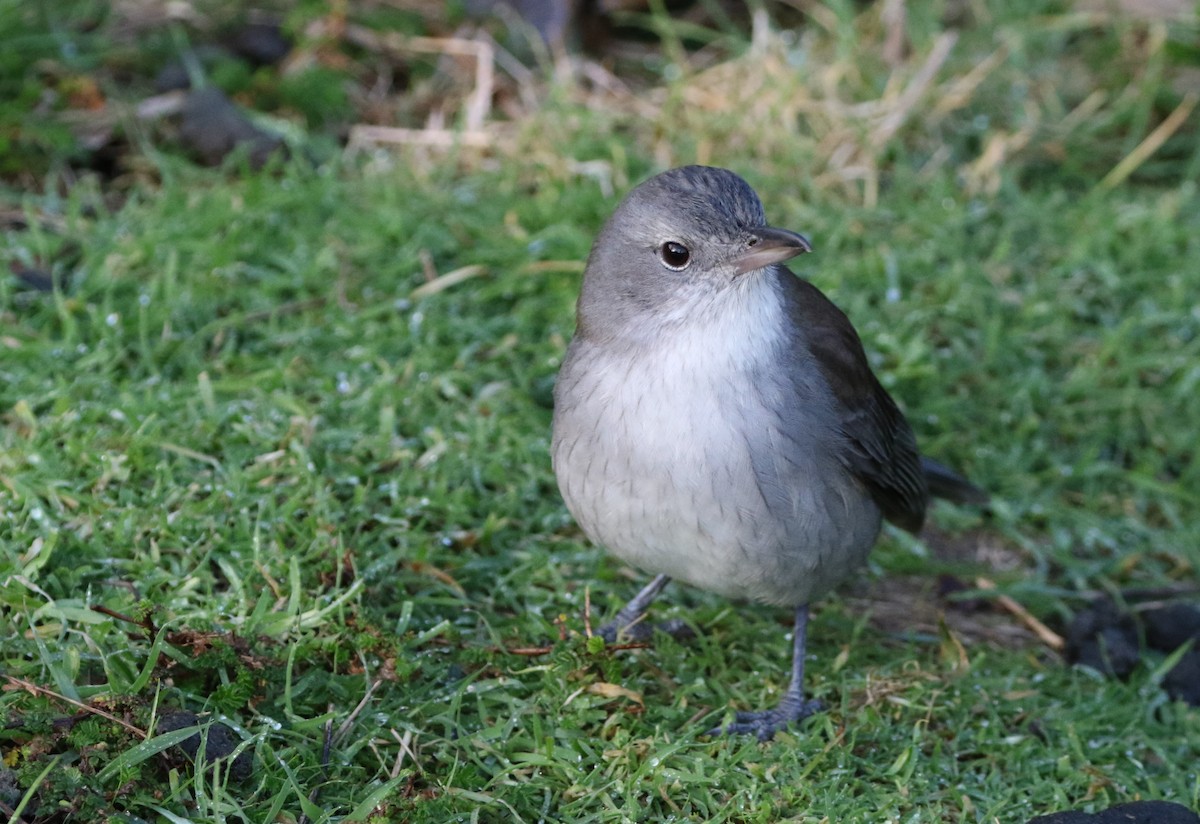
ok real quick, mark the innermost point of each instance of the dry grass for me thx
(800, 93)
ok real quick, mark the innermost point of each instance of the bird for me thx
(716, 420)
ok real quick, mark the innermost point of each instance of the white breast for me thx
(675, 457)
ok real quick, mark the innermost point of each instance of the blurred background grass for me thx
(275, 375)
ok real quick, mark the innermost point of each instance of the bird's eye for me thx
(675, 255)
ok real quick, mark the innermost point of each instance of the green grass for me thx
(238, 428)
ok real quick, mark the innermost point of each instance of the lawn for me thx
(274, 450)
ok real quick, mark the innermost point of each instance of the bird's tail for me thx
(944, 482)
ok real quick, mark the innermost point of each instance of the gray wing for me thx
(881, 449)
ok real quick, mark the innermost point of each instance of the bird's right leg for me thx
(628, 624)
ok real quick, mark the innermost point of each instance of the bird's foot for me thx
(641, 632)
(765, 723)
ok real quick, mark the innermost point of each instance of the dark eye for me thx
(675, 255)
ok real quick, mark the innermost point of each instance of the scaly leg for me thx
(792, 708)
(628, 624)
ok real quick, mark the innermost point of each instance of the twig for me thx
(526, 650)
(958, 92)
(444, 282)
(21, 683)
(476, 107)
(13, 818)
(428, 267)
(406, 748)
(1151, 144)
(345, 726)
(915, 90)
(363, 135)
(191, 453)
(893, 15)
(1048, 636)
(145, 623)
(532, 651)
(537, 267)
(479, 102)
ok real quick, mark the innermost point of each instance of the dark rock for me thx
(213, 126)
(171, 77)
(1105, 639)
(10, 791)
(1137, 812)
(261, 44)
(1170, 627)
(949, 587)
(219, 742)
(1182, 683)
(550, 18)
(39, 280)
(1068, 817)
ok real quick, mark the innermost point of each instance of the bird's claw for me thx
(643, 631)
(765, 723)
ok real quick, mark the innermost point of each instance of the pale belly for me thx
(675, 471)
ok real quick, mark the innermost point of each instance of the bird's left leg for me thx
(792, 708)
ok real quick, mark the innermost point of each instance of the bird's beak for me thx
(769, 245)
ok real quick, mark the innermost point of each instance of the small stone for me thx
(1170, 627)
(220, 742)
(1182, 683)
(1136, 812)
(1105, 639)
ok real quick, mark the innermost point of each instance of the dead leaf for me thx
(607, 690)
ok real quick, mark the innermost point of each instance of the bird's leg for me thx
(628, 624)
(792, 708)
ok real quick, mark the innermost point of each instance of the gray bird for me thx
(716, 420)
